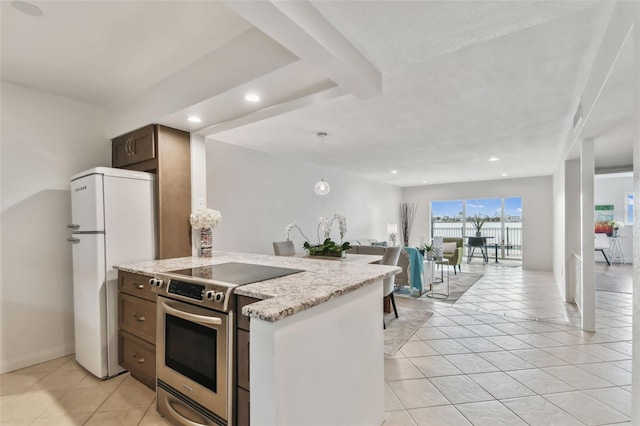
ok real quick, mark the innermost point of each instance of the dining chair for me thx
(390, 257)
(472, 244)
(283, 248)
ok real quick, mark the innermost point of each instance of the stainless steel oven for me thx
(193, 369)
(194, 347)
(194, 340)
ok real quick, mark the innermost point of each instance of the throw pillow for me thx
(379, 244)
(449, 248)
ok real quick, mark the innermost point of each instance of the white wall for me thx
(44, 140)
(537, 217)
(611, 189)
(259, 194)
(566, 226)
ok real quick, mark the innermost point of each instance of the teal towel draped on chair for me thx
(416, 268)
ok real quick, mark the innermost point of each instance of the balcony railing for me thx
(510, 246)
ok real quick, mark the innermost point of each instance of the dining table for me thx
(483, 247)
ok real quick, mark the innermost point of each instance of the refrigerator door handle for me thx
(73, 240)
(73, 226)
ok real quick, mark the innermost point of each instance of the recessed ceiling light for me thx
(252, 97)
(493, 159)
(194, 119)
(424, 181)
(394, 172)
(504, 174)
(28, 8)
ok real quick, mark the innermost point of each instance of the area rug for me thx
(458, 285)
(412, 314)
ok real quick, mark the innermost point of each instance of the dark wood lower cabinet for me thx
(243, 359)
(139, 357)
(242, 389)
(137, 327)
(243, 407)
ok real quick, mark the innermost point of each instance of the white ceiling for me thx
(431, 89)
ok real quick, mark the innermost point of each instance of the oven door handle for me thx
(191, 317)
(180, 417)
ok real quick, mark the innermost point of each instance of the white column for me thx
(586, 214)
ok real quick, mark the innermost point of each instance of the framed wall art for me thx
(603, 215)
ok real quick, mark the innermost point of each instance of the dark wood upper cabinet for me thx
(134, 147)
(166, 152)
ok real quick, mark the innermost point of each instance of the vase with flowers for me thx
(203, 221)
(326, 246)
(478, 221)
(615, 226)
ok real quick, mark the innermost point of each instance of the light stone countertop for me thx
(322, 280)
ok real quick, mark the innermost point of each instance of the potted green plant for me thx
(477, 221)
(428, 251)
(327, 248)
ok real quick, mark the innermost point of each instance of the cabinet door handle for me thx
(140, 319)
(73, 240)
(139, 360)
(73, 226)
(140, 286)
(131, 146)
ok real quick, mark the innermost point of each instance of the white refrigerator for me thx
(112, 213)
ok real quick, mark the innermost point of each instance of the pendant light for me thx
(322, 187)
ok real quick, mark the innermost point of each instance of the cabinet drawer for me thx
(135, 285)
(243, 359)
(139, 357)
(243, 320)
(243, 408)
(137, 316)
(134, 147)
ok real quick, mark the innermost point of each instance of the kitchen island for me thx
(316, 338)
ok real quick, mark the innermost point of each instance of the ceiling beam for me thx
(246, 58)
(273, 111)
(617, 32)
(299, 27)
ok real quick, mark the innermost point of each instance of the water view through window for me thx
(503, 221)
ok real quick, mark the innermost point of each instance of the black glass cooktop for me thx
(237, 273)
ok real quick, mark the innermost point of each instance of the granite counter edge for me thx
(266, 311)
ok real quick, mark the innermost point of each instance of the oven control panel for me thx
(184, 289)
(201, 292)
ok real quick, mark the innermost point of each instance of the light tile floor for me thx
(61, 392)
(510, 352)
(520, 360)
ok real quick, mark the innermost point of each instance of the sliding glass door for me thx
(502, 222)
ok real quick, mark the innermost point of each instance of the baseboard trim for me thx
(46, 355)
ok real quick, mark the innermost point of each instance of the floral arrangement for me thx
(342, 225)
(325, 225)
(290, 227)
(477, 221)
(205, 218)
(327, 247)
(615, 224)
